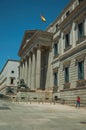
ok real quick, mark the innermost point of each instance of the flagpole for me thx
(40, 23)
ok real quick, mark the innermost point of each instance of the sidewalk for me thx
(46, 116)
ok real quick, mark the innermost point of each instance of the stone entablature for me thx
(73, 50)
(38, 38)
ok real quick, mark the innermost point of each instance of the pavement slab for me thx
(46, 116)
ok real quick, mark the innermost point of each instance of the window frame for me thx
(12, 71)
(55, 78)
(67, 40)
(12, 80)
(66, 74)
(80, 30)
(55, 49)
(81, 70)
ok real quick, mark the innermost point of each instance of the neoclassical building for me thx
(55, 59)
(35, 53)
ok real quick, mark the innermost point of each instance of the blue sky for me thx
(16, 16)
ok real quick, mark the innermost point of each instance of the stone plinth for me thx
(29, 96)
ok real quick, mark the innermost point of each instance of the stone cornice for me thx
(79, 47)
(64, 10)
(75, 13)
(66, 63)
(72, 89)
(57, 38)
(27, 32)
(80, 58)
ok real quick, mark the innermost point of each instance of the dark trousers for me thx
(77, 104)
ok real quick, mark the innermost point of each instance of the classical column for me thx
(33, 71)
(26, 70)
(76, 31)
(85, 26)
(74, 34)
(20, 73)
(29, 72)
(23, 72)
(38, 68)
(62, 41)
(51, 70)
(48, 67)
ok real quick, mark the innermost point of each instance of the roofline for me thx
(24, 36)
(59, 16)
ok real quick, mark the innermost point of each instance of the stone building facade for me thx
(36, 61)
(9, 76)
(55, 59)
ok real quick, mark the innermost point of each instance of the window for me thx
(80, 30)
(66, 74)
(56, 27)
(11, 80)
(67, 13)
(80, 1)
(81, 70)
(55, 79)
(12, 71)
(67, 40)
(55, 49)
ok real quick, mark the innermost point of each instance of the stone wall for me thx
(73, 70)
(70, 96)
(34, 96)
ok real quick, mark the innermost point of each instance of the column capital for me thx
(38, 46)
(26, 57)
(34, 50)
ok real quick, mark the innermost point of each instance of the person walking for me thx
(78, 102)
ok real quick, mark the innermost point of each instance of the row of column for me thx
(30, 69)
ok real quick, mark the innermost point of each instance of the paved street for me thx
(36, 116)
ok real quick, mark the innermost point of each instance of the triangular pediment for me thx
(27, 36)
(34, 37)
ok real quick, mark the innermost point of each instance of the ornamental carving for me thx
(81, 39)
(66, 64)
(55, 69)
(81, 83)
(55, 88)
(80, 58)
(67, 85)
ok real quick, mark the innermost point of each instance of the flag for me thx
(43, 18)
